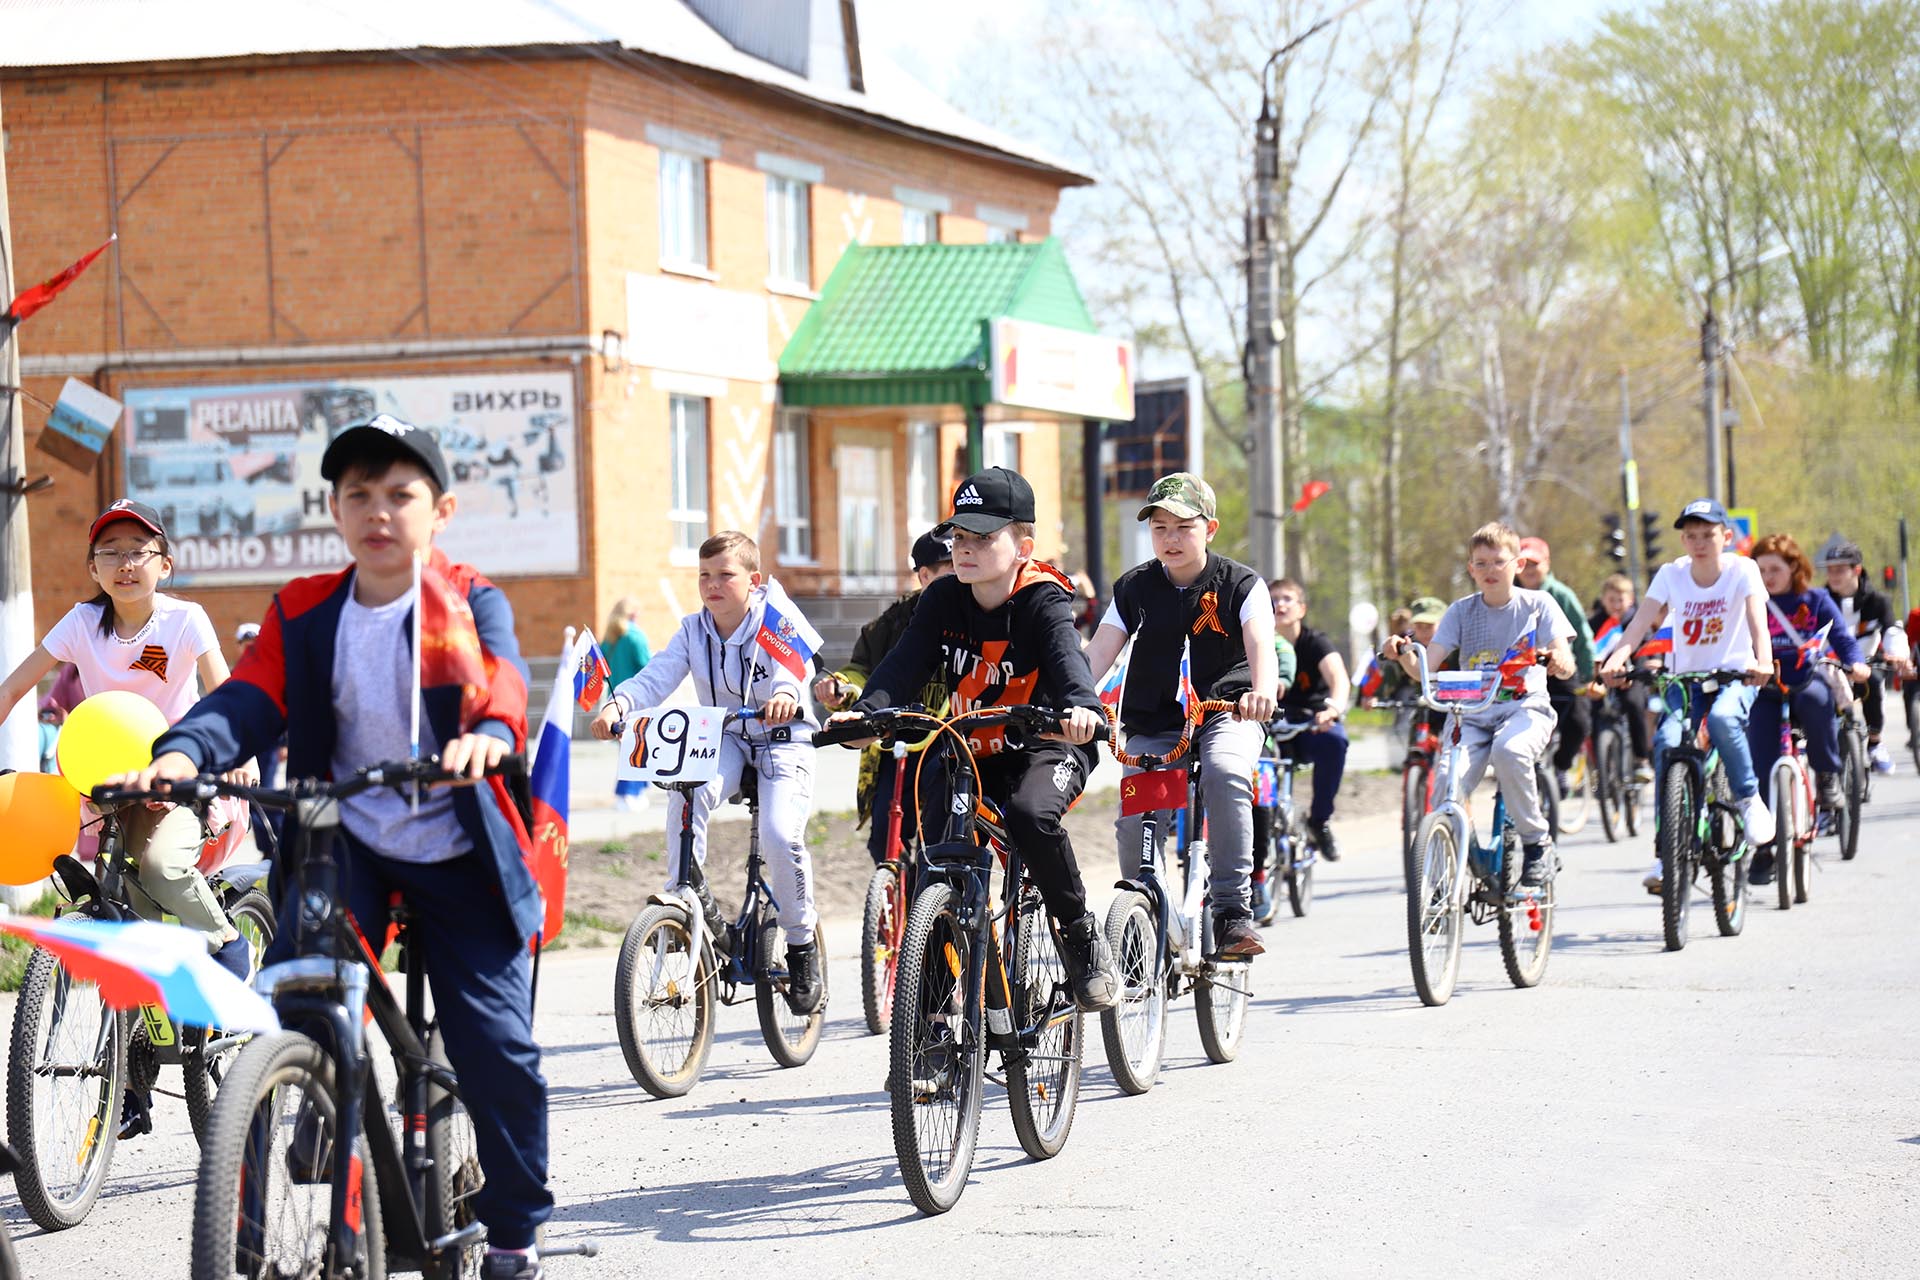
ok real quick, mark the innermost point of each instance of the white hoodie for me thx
(728, 671)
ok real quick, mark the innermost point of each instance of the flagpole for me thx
(413, 703)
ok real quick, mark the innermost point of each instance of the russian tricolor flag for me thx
(1660, 641)
(1609, 635)
(1373, 679)
(550, 781)
(1116, 682)
(590, 672)
(785, 633)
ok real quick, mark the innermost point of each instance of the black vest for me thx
(1160, 617)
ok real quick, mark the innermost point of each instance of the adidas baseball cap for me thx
(126, 509)
(378, 436)
(989, 500)
(1709, 509)
(1182, 495)
(929, 550)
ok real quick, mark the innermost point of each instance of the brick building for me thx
(575, 240)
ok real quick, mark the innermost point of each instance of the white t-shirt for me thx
(1709, 623)
(372, 676)
(159, 662)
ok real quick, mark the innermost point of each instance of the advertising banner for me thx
(235, 470)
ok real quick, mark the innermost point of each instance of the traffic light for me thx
(1614, 543)
(1888, 576)
(1650, 527)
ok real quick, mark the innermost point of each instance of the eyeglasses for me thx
(111, 560)
(1488, 566)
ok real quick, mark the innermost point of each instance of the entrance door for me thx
(863, 472)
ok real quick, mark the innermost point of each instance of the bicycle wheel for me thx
(264, 1197)
(1135, 1029)
(1043, 1077)
(879, 952)
(1853, 793)
(937, 1065)
(457, 1175)
(1610, 783)
(1576, 806)
(663, 1001)
(1413, 798)
(1526, 922)
(791, 1037)
(1673, 840)
(202, 1068)
(1549, 792)
(66, 1070)
(1433, 913)
(1220, 993)
(1784, 799)
(1300, 869)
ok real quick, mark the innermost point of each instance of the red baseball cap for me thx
(126, 509)
(1534, 549)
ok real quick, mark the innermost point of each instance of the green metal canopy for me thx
(908, 324)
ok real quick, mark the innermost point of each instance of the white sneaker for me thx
(1882, 762)
(1759, 819)
(1653, 881)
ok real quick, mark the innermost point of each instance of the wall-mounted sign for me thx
(1039, 366)
(688, 327)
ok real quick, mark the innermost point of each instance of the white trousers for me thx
(786, 798)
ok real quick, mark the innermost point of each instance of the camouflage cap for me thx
(1428, 609)
(1181, 494)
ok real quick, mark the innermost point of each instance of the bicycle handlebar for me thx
(197, 793)
(1196, 712)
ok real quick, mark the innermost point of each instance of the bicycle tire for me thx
(1432, 910)
(879, 955)
(1043, 1079)
(1674, 840)
(1575, 809)
(662, 935)
(56, 1202)
(1413, 799)
(1220, 1002)
(201, 1076)
(1548, 789)
(1609, 783)
(457, 1176)
(1727, 870)
(1853, 792)
(791, 1037)
(227, 1238)
(1135, 1029)
(1526, 931)
(1299, 870)
(930, 1065)
(1785, 799)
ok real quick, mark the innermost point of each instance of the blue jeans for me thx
(1726, 717)
(1813, 710)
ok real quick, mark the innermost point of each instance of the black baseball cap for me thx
(989, 500)
(378, 436)
(929, 550)
(1709, 509)
(126, 509)
(1840, 550)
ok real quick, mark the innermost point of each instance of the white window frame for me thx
(687, 463)
(793, 484)
(924, 508)
(919, 226)
(789, 233)
(1000, 446)
(1002, 235)
(684, 240)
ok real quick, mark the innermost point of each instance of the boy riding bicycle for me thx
(1720, 606)
(1504, 628)
(1001, 629)
(720, 648)
(332, 668)
(1188, 600)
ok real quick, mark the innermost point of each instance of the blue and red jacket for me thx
(472, 680)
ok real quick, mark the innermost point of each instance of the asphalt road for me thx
(1747, 1105)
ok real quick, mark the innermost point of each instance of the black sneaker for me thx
(1090, 967)
(1538, 867)
(236, 958)
(136, 1115)
(1760, 871)
(804, 988)
(511, 1266)
(1828, 784)
(1322, 836)
(1235, 938)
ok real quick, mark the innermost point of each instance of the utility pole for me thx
(1265, 410)
(1629, 484)
(1710, 394)
(19, 735)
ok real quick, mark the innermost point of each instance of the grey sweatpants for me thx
(1515, 737)
(1228, 751)
(786, 797)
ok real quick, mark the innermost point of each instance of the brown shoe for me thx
(1235, 938)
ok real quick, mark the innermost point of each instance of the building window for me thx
(1000, 447)
(789, 236)
(687, 457)
(924, 506)
(793, 484)
(683, 210)
(1002, 235)
(919, 226)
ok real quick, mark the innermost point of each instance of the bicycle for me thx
(1791, 796)
(680, 955)
(280, 1191)
(1416, 772)
(1295, 853)
(1689, 835)
(1615, 790)
(1856, 774)
(1159, 943)
(883, 920)
(1444, 887)
(975, 976)
(71, 1059)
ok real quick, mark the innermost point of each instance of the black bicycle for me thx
(680, 957)
(977, 975)
(282, 1190)
(72, 1059)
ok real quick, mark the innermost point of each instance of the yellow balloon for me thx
(109, 733)
(41, 815)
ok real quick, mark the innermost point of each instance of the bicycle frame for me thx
(1697, 752)
(1481, 863)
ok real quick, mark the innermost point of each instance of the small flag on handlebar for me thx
(785, 633)
(590, 673)
(1660, 642)
(1156, 789)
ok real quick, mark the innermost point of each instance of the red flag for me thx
(1311, 492)
(44, 292)
(1154, 789)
